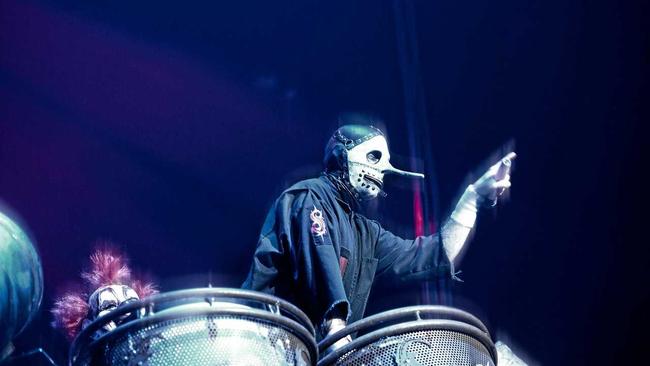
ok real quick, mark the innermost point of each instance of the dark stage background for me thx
(169, 128)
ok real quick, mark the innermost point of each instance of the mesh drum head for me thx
(201, 327)
(209, 340)
(425, 348)
(413, 336)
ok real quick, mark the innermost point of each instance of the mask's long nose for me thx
(392, 169)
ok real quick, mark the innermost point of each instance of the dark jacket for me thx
(327, 270)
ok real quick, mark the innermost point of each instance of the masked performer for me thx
(316, 251)
(108, 285)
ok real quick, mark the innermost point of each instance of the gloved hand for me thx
(487, 188)
(333, 326)
(496, 180)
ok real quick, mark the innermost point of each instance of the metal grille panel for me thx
(421, 348)
(209, 340)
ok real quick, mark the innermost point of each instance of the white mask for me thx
(107, 298)
(367, 164)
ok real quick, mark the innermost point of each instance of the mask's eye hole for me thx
(107, 305)
(374, 156)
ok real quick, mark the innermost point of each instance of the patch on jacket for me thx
(317, 222)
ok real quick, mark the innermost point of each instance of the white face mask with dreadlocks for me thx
(108, 298)
(367, 164)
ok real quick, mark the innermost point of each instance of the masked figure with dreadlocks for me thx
(108, 285)
(316, 251)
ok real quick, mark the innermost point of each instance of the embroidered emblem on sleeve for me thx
(317, 222)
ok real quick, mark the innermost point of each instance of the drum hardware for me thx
(413, 336)
(201, 326)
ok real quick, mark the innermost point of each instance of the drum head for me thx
(209, 340)
(414, 336)
(202, 327)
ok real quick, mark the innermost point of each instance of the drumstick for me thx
(504, 168)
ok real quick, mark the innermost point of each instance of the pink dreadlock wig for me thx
(107, 284)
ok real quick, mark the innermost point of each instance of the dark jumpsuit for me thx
(327, 268)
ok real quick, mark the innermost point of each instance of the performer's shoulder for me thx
(313, 184)
(308, 189)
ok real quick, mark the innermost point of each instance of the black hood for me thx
(345, 138)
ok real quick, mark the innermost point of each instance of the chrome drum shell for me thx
(413, 336)
(211, 326)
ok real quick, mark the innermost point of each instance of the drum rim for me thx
(413, 326)
(300, 321)
(405, 312)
